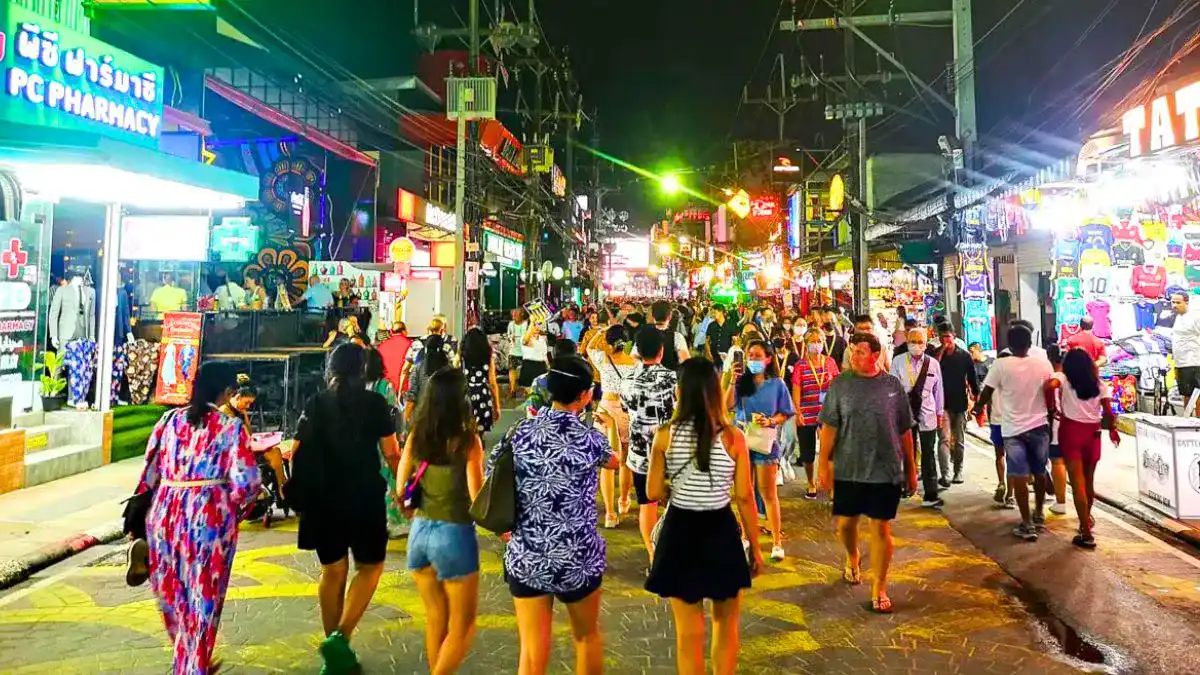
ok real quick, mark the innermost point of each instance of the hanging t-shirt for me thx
(1120, 282)
(1175, 265)
(974, 286)
(1192, 274)
(1066, 250)
(1191, 251)
(1128, 253)
(1128, 232)
(1068, 331)
(1145, 314)
(1166, 314)
(1094, 279)
(1069, 311)
(1095, 236)
(1149, 281)
(1099, 310)
(1094, 256)
(1154, 233)
(1068, 287)
(977, 323)
(1123, 320)
(1176, 288)
(1066, 268)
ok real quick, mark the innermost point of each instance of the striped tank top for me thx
(691, 488)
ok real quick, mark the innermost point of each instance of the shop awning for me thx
(93, 168)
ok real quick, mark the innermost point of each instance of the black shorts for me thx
(807, 436)
(520, 590)
(364, 536)
(639, 489)
(1188, 379)
(878, 501)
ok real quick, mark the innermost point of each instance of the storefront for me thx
(426, 285)
(503, 261)
(80, 125)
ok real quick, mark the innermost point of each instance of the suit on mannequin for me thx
(73, 313)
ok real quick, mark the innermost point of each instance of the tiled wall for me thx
(12, 460)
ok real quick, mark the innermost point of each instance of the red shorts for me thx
(1079, 440)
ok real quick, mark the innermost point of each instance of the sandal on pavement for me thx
(611, 520)
(811, 494)
(881, 604)
(852, 574)
(1082, 541)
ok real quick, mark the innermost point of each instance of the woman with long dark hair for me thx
(475, 357)
(202, 474)
(762, 404)
(337, 488)
(444, 455)
(432, 358)
(698, 555)
(1086, 409)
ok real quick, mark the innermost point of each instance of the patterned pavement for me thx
(955, 613)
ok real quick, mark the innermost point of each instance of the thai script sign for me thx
(56, 77)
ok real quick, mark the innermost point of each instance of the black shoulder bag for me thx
(914, 395)
(495, 507)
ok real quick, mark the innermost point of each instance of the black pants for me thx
(929, 458)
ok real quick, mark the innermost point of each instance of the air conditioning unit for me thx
(471, 98)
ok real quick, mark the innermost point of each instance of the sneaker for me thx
(945, 484)
(935, 503)
(1039, 520)
(611, 521)
(999, 494)
(1058, 509)
(137, 563)
(958, 479)
(1009, 503)
(777, 553)
(339, 656)
(1084, 541)
(1026, 531)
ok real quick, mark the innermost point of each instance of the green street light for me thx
(670, 184)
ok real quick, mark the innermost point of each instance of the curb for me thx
(15, 570)
(1133, 508)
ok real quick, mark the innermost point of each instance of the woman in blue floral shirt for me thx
(556, 550)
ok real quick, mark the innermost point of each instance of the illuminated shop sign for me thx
(508, 252)
(56, 77)
(1165, 122)
(436, 216)
(764, 207)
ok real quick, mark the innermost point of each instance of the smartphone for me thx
(739, 358)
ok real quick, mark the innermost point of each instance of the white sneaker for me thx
(777, 553)
(1058, 509)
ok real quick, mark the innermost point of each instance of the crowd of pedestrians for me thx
(696, 414)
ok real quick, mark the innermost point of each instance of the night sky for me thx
(666, 75)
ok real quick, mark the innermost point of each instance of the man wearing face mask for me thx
(921, 376)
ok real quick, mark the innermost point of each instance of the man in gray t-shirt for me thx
(867, 458)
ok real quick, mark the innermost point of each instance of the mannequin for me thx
(73, 312)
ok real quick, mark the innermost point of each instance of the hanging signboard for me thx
(56, 77)
(1165, 122)
(178, 357)
(19, 298)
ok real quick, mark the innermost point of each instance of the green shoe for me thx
(339, 656)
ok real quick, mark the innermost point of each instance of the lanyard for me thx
(912, 376)
(819, 378)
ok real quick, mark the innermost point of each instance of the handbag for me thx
(656, 531)
(410, 498)
(137, 507)
(918, 389)
(760, 439)
(495, 507)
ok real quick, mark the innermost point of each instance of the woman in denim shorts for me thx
(444, 455)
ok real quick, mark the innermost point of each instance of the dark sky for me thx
(666, 75)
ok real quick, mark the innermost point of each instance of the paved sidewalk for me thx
(1116, 485)
(46, 523)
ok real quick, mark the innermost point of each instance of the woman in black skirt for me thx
(699, 554)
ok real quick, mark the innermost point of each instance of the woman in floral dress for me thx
(377, 382)
(202, 474)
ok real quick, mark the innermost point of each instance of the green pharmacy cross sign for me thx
(55, 77)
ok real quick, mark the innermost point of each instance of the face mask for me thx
(756, 367)
(800, 329)
(815, 347)
(916, 350)
(778, 342)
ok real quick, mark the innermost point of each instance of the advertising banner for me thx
(20, 297)
(178, 357)
(1156, 468)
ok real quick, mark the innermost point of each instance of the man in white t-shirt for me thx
(1185, 345)
(516, 346)
(1019, 383)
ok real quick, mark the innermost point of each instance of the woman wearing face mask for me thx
(811, 378)
(762, 403)
(786, 358)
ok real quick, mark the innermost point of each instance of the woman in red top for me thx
(810, 381)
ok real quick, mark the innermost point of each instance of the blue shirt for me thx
(701, 332)
(572, 330)
(319, 297)
(556, 546)
(770, 399)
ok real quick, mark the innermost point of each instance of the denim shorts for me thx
(451, 548)
(1028, 452)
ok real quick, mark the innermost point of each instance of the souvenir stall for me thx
(975, 284)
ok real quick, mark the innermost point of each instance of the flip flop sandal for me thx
(810, 495)
(881, 605)
(1084, 542)
(852, 574)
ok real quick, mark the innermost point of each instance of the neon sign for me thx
(435, 216)
(508, 252)
(56, 77)
(1166, 122)
(764, 207)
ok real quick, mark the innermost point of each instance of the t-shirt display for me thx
(1095, 236)
(1146, 314)
(1094, 256)
(1120, 282)
(1094, 279)
(1128, 253)
(1099, 311)
(1125, 231)
(1149, 281)
(1067, 287)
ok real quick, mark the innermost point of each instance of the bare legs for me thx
(450, 611)
(1083, 490)
(342, 610)
(513, 374)
(764, 475)
(1058, 475)
(534, 616)
(690, 636)
(647, 519)
(608, 489)
(882, 549)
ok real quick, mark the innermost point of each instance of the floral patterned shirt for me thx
(556, 546)
(649, 399)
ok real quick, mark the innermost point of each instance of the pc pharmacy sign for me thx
(55, 77)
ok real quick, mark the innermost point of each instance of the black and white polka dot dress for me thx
(480, 394)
